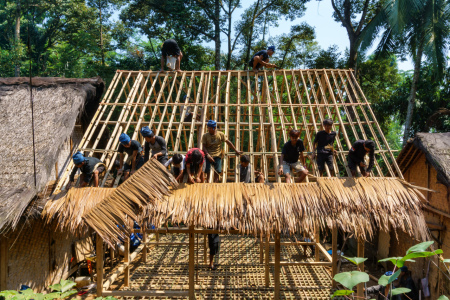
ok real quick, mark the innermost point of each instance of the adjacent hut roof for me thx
(57, 104)
(435, 146)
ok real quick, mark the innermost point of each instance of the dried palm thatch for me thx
(150, 184)
(57, 105)
(360, 206)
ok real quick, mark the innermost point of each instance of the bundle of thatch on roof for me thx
(360, 206)
(435, 146)
(57, 104)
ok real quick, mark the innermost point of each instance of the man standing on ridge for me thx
(170, 48)
(261, 59)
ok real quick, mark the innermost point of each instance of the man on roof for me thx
(135, 160)
(212, 142)
(261, 59)
(177, 165)
(289, 162)
(357, 154)
(245, 171)
(156, 144)
(90, 168)
(324, 141)
(195, 165)
(170, 48)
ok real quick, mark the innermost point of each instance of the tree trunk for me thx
(217, 33)
(412, 94)
(229, 38)
(17, 39)
(101, 34)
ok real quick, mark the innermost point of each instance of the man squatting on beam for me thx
(212, 142)
(170, 48)
(324, 142)
(135, 160)
(261, 59)
(195, 165)
(90, 168)
(245, 171)
(356, 157)
(290, 154)
(156, 144)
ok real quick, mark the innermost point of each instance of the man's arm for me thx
(162, 62)
(230, 144)
(208, 157)
(260, 60)
(120, 165)
(162, 143)
(72, 175)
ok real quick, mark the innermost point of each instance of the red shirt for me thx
(189, 156)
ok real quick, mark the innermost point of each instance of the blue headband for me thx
(212, 123)
(78, 158)
(271, 48)
(146, 132)
(124, 138)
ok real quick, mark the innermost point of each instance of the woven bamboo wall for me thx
(422, 174)
(255, 113)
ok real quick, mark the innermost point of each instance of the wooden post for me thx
(99, 264)
(277, 265)
(334, 254)
(360, 253)
(317, 240)
(266, 259)
(111, 256)
(157, 238)
(191, 263)
(205, 249)
(126, 259)
(261, 251)
(3, 263)
(144, 251)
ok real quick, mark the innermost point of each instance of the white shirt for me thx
(181, 166)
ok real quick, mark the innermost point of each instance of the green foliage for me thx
(443, 297)
(398, 291)
(416, 251)
(342, 293)
(355, 260)
(350, 279)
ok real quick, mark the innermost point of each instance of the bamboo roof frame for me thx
(255, 111)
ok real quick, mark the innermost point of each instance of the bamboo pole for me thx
(126, 259)
(191, 263)
(3, 263)
(99, 264)
(144, 252)
(317, 240)
(277, 265)
(334, 254)
(266, 259)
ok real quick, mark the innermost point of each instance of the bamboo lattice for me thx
(255, 112)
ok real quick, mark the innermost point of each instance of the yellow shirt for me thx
(214, 143)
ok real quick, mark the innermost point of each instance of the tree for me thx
(423, 27)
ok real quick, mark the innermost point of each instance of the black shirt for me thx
(135, 145)
(87, 169)
(407, 282)
(324, 139)
(291, 152)
(259, 53)
(170, 47)
(357, 154)
(158, 146)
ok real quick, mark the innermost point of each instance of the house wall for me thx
(423, 174)
(38, 256)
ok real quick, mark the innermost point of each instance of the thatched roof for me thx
(57, 105)
(435, 146)
(360, 206)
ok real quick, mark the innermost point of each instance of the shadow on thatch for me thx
(361, 206)
(58, 102)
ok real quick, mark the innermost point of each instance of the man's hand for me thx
(191, 179)
(178, 70)
(280, 171)
(155, 156)
(210, 159)
(198, 180)
(239, 152)
(367, 174)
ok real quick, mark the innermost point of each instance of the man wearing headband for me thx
(135, 160)
(195, 165)
(261, 59)
(357, 154)
(90, 168)
(156, 144)
(212, 142)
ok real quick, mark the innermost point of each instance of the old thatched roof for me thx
(57, 104)
(435, 146)
(360, 206)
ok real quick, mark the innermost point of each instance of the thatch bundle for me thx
(103, 209)
(360, 206)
